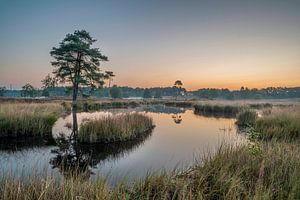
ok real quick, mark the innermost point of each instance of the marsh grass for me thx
(217, 109)
(279, 124)
(246, 118)
(21, 120)
(231, 173)
(115, 128)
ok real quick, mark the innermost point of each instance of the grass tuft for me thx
(116, 128)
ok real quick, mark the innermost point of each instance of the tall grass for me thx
(28, 119)
(217, 109)
(120, 127)
(232, 173)
(246, 118)
(279, 125)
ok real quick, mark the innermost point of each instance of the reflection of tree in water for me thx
(74, 159)
(177, 118)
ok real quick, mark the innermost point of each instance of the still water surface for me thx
(179, 137)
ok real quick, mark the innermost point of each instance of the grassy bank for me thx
(21, 120)
(120, 127)
(231, 174)
(279, 124)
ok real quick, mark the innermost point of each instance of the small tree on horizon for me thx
(77, 63)
(48, 84)
(178, 85)
(28, 90)
(2, 91)
(115, 92)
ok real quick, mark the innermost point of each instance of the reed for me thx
(115, 128)
(21, 120)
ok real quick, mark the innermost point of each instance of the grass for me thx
(240, 172)
(233, 173)
(21, 120)
(246, 118)
(217, 109)
(116, 128)
(280, 124)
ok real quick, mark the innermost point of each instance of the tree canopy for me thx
(2, 91)
(28, 90)
(76, 62)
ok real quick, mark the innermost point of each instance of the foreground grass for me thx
(115, 128)
(271, 170)
(28, 119)
(233, 173)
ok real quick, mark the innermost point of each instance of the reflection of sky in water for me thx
(170, 145)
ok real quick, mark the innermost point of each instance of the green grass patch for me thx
(246, 118)
(279, 127)
(115, 128)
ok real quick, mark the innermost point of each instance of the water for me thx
(179, 137)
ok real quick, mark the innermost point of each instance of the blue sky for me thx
(153, 43)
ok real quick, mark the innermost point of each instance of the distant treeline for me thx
(159, 92)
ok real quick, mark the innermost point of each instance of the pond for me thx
(179, 137)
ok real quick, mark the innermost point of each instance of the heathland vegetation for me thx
(21, 120)
(266, 168)
(118, 128)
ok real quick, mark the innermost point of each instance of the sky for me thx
(150, 43)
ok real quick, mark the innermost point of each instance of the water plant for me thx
(115, 128)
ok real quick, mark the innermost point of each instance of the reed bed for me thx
(217, 109)
(115, 128)
(21, 120)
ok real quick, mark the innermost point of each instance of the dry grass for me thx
(28, 119)
(115, 128)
